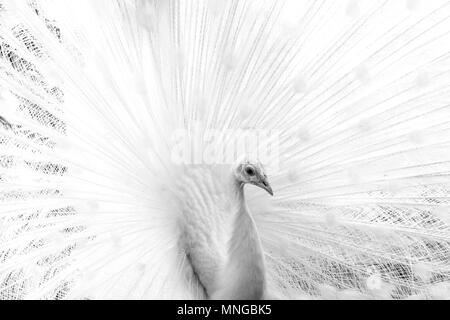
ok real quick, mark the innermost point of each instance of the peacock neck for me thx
(244, 275)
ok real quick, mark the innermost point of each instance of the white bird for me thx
(127, 133)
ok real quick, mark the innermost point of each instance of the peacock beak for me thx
(266, 186)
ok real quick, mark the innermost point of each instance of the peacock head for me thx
(252, 171)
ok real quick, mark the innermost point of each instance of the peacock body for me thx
(106, 193)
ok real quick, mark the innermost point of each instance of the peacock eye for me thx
(250, 171)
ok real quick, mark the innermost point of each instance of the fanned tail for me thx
(356, 96)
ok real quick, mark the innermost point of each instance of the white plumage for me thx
(93, 204)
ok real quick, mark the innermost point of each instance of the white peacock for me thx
(93, 205)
